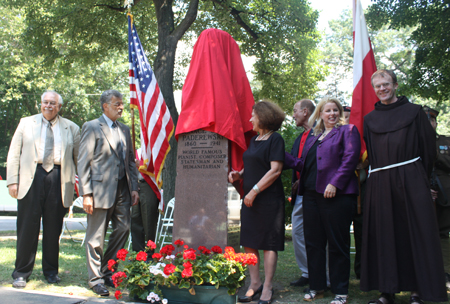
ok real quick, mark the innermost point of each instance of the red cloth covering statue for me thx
(216, 95)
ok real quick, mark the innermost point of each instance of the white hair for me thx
(60, 100)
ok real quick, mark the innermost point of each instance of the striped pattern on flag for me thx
(156, 123)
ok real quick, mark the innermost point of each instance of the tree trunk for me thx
(163, 66)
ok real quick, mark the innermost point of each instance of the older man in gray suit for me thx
(108, 183)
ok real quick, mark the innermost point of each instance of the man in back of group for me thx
(41, 170)
(144, 216)
(108, 184)
(440, 189)
(302, 111)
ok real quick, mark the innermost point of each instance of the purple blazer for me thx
(337, 157)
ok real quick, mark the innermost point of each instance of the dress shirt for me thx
(56, 142)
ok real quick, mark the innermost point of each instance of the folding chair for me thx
(165, 225)
(77, 203)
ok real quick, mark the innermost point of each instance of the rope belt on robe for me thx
(393, 165)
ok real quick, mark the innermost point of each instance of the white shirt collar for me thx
(109, 122)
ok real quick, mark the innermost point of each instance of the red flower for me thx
(156, 256)
(230, 256)
(189, 254)
(122, 254)
(216, 249)
(111, 264)
(170, 268)
(229, 249)
(187, 265)
(167, 249)
(118, 278)
(187, 272)
(179, 242)
(151, 244)
(141, 256)
(186, 246)
(201, 248)
(250, 259)
(118, 294)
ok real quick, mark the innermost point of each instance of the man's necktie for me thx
(48, 160)
(119, 150)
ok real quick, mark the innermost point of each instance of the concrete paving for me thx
(11, 295)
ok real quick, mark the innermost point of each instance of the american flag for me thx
(156, 124)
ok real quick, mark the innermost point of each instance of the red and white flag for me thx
(156, 123)
(364, 97)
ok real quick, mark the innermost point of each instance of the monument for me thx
(201, 212)
(213, 130)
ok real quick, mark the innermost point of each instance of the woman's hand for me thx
(249, 198)
(330, 191)
(234, 176)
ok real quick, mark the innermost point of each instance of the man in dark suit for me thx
(41, 167)
(440, 190)
(108, 184)
(302, 111)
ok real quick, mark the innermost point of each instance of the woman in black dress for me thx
(262, 214)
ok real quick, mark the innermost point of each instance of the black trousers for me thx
(42, 200)
(327, 221)
(144, 217)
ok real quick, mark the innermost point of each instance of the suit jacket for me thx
(98, 163)
(23, 155)
(337, 157)
(294, 153)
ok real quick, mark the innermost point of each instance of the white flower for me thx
(164, 301)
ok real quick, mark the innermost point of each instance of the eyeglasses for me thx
(117, 104)
(46, 103)
(384, 85)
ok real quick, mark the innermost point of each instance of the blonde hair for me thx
(315, 117)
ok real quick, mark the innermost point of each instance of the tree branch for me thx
(235, 13)
(190, 17)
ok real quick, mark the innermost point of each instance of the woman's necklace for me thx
(263, 137)
(325, 133)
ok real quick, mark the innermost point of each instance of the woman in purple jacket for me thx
(329, 187)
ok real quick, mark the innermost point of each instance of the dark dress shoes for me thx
(245, 298)
(101, 290)
(53, 278)
(300, 282)
(19, 282)
(109, 282)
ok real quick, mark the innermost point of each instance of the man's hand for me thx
(13, 190)
(434, 194)
(249, 198)
(88, 203)
(134, 198)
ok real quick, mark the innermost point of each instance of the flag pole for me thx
(128, 4)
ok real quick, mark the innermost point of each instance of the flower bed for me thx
(185, 269)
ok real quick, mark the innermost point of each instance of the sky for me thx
(331, 9)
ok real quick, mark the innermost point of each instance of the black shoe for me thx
(109, 282)
(101, 290)
(19, 282)
(245, 298)
(268, 301)
(300, 282)
(53, 278)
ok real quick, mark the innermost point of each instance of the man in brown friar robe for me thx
(401, 249)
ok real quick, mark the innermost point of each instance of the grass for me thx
(73, 272)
